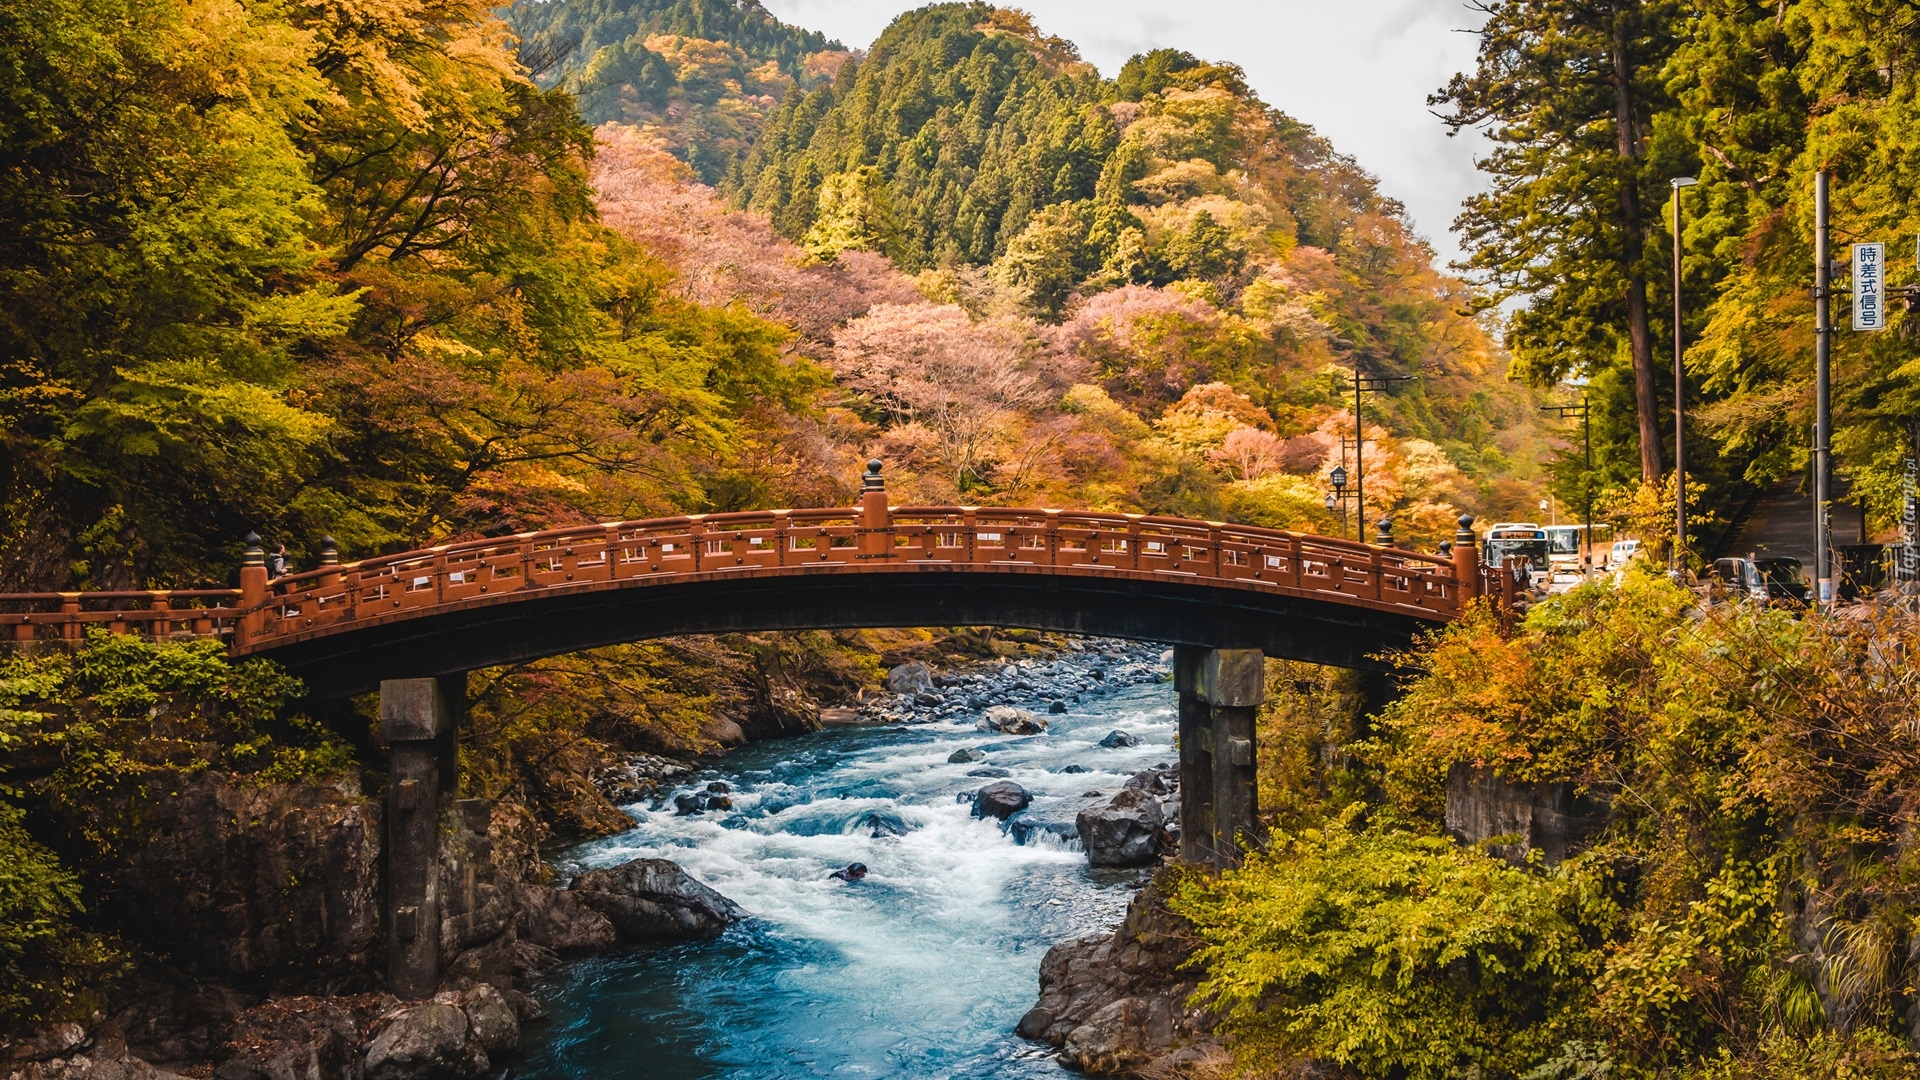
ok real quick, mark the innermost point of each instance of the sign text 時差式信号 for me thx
(1869, 286)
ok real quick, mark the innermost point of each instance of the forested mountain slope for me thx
(701, 73)
(969, 139)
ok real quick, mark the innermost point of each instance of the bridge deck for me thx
(980, 542)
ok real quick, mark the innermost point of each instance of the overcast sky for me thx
(1358, 71)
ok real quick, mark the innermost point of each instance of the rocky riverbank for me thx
(1116, 1004)
(1083, 670)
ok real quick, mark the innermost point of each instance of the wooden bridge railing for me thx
(868, 538)
(27, 617)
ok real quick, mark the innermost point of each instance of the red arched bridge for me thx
(411, 626)
(457, 607)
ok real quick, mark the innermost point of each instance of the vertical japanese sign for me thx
(1869, 287)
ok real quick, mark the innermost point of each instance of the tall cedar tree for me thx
(1566, 90)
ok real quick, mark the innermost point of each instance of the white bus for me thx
(1567, 553)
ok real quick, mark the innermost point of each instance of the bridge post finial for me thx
(1383, 531)
(253, 589)
(329, 552)
(1466, 560)
(876, 518)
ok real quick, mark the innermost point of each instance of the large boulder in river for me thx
(1116, 739)
(966, 755)
(1008, 720)
(1125, 832)
(910, 678)
(654, 898)
(1000, 800)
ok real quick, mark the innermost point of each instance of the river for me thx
(920, 971)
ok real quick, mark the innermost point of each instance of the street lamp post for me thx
(1679, 394)
(1584, 414)
(1364, 384)
(1338, 478)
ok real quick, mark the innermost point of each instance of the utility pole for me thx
(1584, 414)
(1679, 393)
(1364, 384)
(1822, 390)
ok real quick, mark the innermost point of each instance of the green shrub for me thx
(1395, 954)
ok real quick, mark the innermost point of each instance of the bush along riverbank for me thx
(198, 884)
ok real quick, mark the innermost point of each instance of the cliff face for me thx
(240, 891)
(261, 883)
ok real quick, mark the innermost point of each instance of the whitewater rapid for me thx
(920, 971)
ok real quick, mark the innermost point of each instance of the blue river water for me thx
(919, 972)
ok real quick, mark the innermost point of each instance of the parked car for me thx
(1622, 553)
(1762, 581)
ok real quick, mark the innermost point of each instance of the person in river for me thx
(853, 872)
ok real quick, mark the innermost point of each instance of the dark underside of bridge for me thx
(353, 661)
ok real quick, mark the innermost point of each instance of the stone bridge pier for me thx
(1220, 691)
(419, 721)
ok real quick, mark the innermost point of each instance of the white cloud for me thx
(1358, 71)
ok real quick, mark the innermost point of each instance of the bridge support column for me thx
(1220, 691)
(419, 719)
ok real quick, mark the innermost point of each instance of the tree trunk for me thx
(1639, 337)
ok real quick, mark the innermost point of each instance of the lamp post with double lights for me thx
(1363, 384)
(1580, 411)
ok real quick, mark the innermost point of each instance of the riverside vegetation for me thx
(1747, 911)
(363, 268)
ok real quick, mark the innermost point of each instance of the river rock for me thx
(52, 1041)
(1008, 720)
(879, 824)
(428, 1041)
(1001, 800)
(1056, 707)
(1124, 832)
(1073, 768)
(989, 773)
(490, 1018)
(654, 898)
(1160, 781)
(910, 678)
(966, 755)
(560, 920)
(1116, 739)
(1023, 830)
